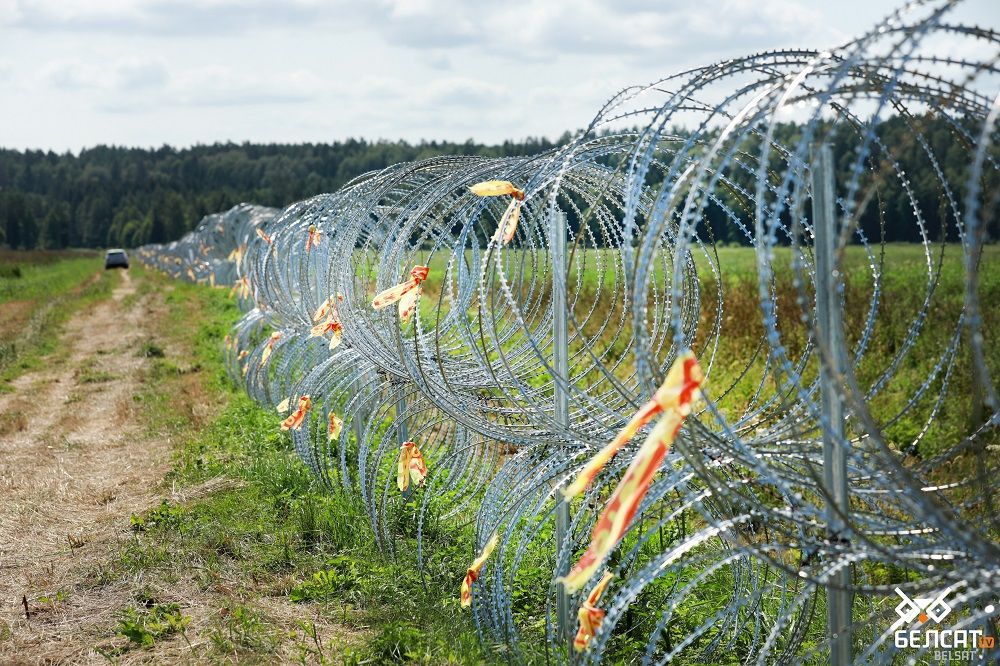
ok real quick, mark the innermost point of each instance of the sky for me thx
(77, 73)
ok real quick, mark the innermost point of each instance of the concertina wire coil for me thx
(739, 505)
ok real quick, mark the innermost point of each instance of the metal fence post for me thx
(360, 417)
(560, 364)
(402, 433)
(830, 324)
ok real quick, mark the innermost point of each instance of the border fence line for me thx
(813, 502)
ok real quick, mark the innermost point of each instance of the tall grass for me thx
(269, 528)
(38, 291)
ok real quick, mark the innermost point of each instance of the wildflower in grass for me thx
(313, 238)
(333, 428)
(268, 347)
(673, 400)
(472, 574)
(298, 417)
(508, 221)
(405, 293)
(590, 615)
(411, 467)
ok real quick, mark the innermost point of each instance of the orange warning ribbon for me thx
(298, 417)
(313, 238)
(673, 400)
(590, 615)
(411, 467)
(269, 347)
(472, 574)
(405, 293)
(679, 389)
(508, 221)
(333, 428)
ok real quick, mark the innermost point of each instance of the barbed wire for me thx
(737, 546)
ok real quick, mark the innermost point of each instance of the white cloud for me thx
(124, 75)
(457, 92)
(145, 72)
(637, 29)
(161, 17)
(217, 86)
(139, 73)
(72, 75)
(225, 86)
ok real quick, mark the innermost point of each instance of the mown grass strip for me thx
(39, 292)
(268, 529)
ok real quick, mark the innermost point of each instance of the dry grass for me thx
(68, 476)
(15, 420)
(13, 317)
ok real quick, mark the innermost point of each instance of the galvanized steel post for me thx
(830, 324)
(560, 365)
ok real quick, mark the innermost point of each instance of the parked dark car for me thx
(116, 259)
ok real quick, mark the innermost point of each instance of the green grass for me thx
(277, 532)
(272, 530)
(739, 367)
(38, 276)
(38, 292)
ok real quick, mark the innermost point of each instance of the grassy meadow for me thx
(38, 290)
(265, 533)
(260, 538)
(899, 326)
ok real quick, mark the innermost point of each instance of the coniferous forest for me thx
(117, 196)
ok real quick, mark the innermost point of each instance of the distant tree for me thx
(110, 195)
(20, 229)
(53, 232)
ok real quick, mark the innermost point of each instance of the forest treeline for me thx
(116, 196)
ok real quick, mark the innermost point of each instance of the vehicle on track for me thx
(115, 258)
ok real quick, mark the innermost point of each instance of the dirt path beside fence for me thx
(74, 465)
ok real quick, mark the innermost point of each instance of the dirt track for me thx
(74, 465)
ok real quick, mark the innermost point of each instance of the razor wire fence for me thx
(795, 520)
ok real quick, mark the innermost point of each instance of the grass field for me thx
(914, 316)
(260, 563)
(268, 532)
(38, 291)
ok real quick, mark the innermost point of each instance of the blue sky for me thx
(75, 73)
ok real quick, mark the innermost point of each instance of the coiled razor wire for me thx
(735, 552)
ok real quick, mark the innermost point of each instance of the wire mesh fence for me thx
(819, 483)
